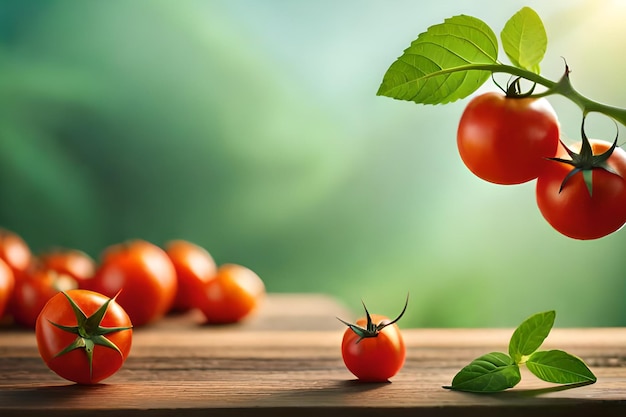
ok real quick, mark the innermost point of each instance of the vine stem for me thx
(562, 87)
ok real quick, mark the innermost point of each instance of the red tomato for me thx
(66, 349)
(194, 267)
(507, 140)
(572, 211)
(234, 293)
(377, 358)
(14, 251)
(33, 291)
(6, 286)
(142, 274)
(72, 262)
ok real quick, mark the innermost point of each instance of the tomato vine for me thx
(561, 87)
(451, 60)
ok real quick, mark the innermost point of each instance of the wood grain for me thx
(278, 367)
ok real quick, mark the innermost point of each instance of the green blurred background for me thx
(252, 128)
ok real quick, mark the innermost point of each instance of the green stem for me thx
(563, 87)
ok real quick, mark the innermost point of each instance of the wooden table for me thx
(286, 362)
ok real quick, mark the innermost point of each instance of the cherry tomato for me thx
(83, 336)
(142, 274)
(507, 140)
(573, 211)
(233, 294)
(14, 251)
(373, 350)
(33, 291)
(194, 267)
(6, 286)
(72, 262)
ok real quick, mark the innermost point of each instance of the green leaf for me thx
(524, 39)
(437, 67)
(559, 367)
(492, 372)
(530, 335)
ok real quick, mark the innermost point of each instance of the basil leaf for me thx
(530, 335)
(559, 367)
(437, 67)
(492, 372)
(524, 39)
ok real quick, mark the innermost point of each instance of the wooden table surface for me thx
(286, 362)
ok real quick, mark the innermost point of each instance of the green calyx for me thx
(371, 329)
(585, 161)
(514, 88)
(88, 331)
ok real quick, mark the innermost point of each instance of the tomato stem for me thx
(514, 89)
(371, 329)
(562, 87)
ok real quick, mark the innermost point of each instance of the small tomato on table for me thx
(32, 291)
(373, 349)
(15, 252)
(73, 262)
(83, 336)
(232, 295)
(142, 274)
(194, 267)
(6, 286)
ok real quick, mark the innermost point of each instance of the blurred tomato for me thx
(14, 251)
(72, 262)
(7, 283)
(233, 294)
(33, 290)
(194, 267)
(142, 274)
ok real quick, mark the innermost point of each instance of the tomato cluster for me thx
(580, 191)
(83, 311)
(148, 281)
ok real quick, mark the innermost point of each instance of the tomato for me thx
(143, 275)
(83, 336)
(33, 291)
(507, 140)
(374, 358)
(6, 286)
(14, 251)
(194, 267)
(573, 211)
(72, 262)
(233, 294)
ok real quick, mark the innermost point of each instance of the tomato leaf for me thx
(524, 39)
(492, 372)
(438, 66)
(559, 367)
(530, 335)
